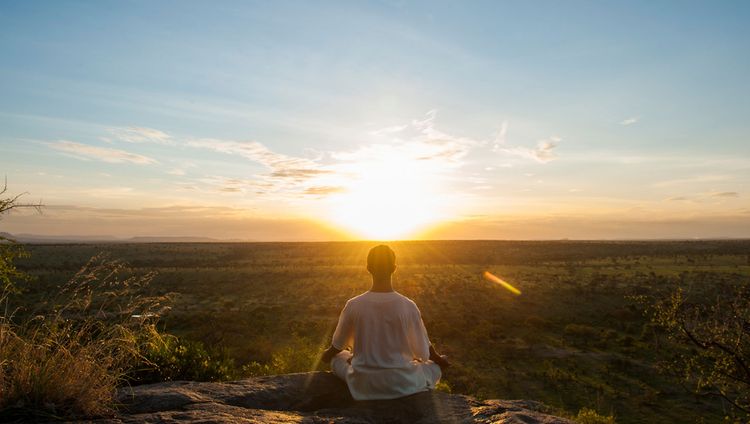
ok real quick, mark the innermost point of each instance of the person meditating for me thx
(391, 355)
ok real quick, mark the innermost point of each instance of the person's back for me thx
(390, 355)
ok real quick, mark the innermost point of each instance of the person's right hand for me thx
(443, 362)
(329, 354)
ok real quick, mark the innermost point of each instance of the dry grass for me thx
(67, 361)
(59, 378)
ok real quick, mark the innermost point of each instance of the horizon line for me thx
(26, 238)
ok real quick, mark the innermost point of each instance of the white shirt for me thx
(390, 346)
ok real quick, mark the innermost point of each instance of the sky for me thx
(297, 120)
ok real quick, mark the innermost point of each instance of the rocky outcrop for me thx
(316, 397)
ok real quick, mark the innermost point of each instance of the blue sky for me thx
(497, 119)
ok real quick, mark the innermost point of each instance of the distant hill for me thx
(42, 239)
(33, 238)
(147, 239)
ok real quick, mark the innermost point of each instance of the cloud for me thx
(176, 171)
(500, 137)
(176, 220)
(284, 169)
(612, 226)
(233, 185)
(725, 194)
(417, 146)
(110, 192)
(543, 152)
(141, 135)
(324, 190)
(419, 140)
(692, 180)
(87, 152)
(298, 174)
(417, 143)
(704, 197)
(389, 130)
(629, 121)
(439, 145)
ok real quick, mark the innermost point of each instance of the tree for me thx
(712, 336)
(9, 249)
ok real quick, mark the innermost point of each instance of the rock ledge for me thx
(316, 397)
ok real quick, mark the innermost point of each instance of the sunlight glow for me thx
(495, 279)
(388, 197)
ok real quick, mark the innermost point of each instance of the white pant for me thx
(341, 363)
(341, 367)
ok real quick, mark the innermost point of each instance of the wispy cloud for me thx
(88, 152)
(110, 192)
(176, 171)
(542, 153)
(725, 194)
(231, 190)
(500, 136)
(705, 197)
(141, 135)
(324, 190)
(176, 220)
(629, 121)
(419, 140)
(283, 167)
(692, 180)
(389, 130)
(418, 143)
(233, 185)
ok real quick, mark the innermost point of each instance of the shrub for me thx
(535, 321)
(711, 337)
(443, 386)
(627, 341)
(581, 332)
(166, 358)
(300, 355)
(589, 416)
(9, 274)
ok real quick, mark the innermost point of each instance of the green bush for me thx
(589, 416)
(10, 276)
(443, 386)
(299, 355)
(165, 357)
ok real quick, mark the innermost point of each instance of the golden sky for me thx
(377, 121)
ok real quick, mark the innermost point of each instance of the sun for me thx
(387, 199)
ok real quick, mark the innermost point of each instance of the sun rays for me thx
(387, 198)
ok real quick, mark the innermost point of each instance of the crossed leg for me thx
(341, 363)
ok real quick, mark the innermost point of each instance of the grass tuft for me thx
(67, 359)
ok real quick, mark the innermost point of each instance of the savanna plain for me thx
(578, 336)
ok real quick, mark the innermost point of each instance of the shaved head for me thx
(381, 260)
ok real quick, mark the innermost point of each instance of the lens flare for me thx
(495, 279)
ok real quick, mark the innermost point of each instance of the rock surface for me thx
(317, 397)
